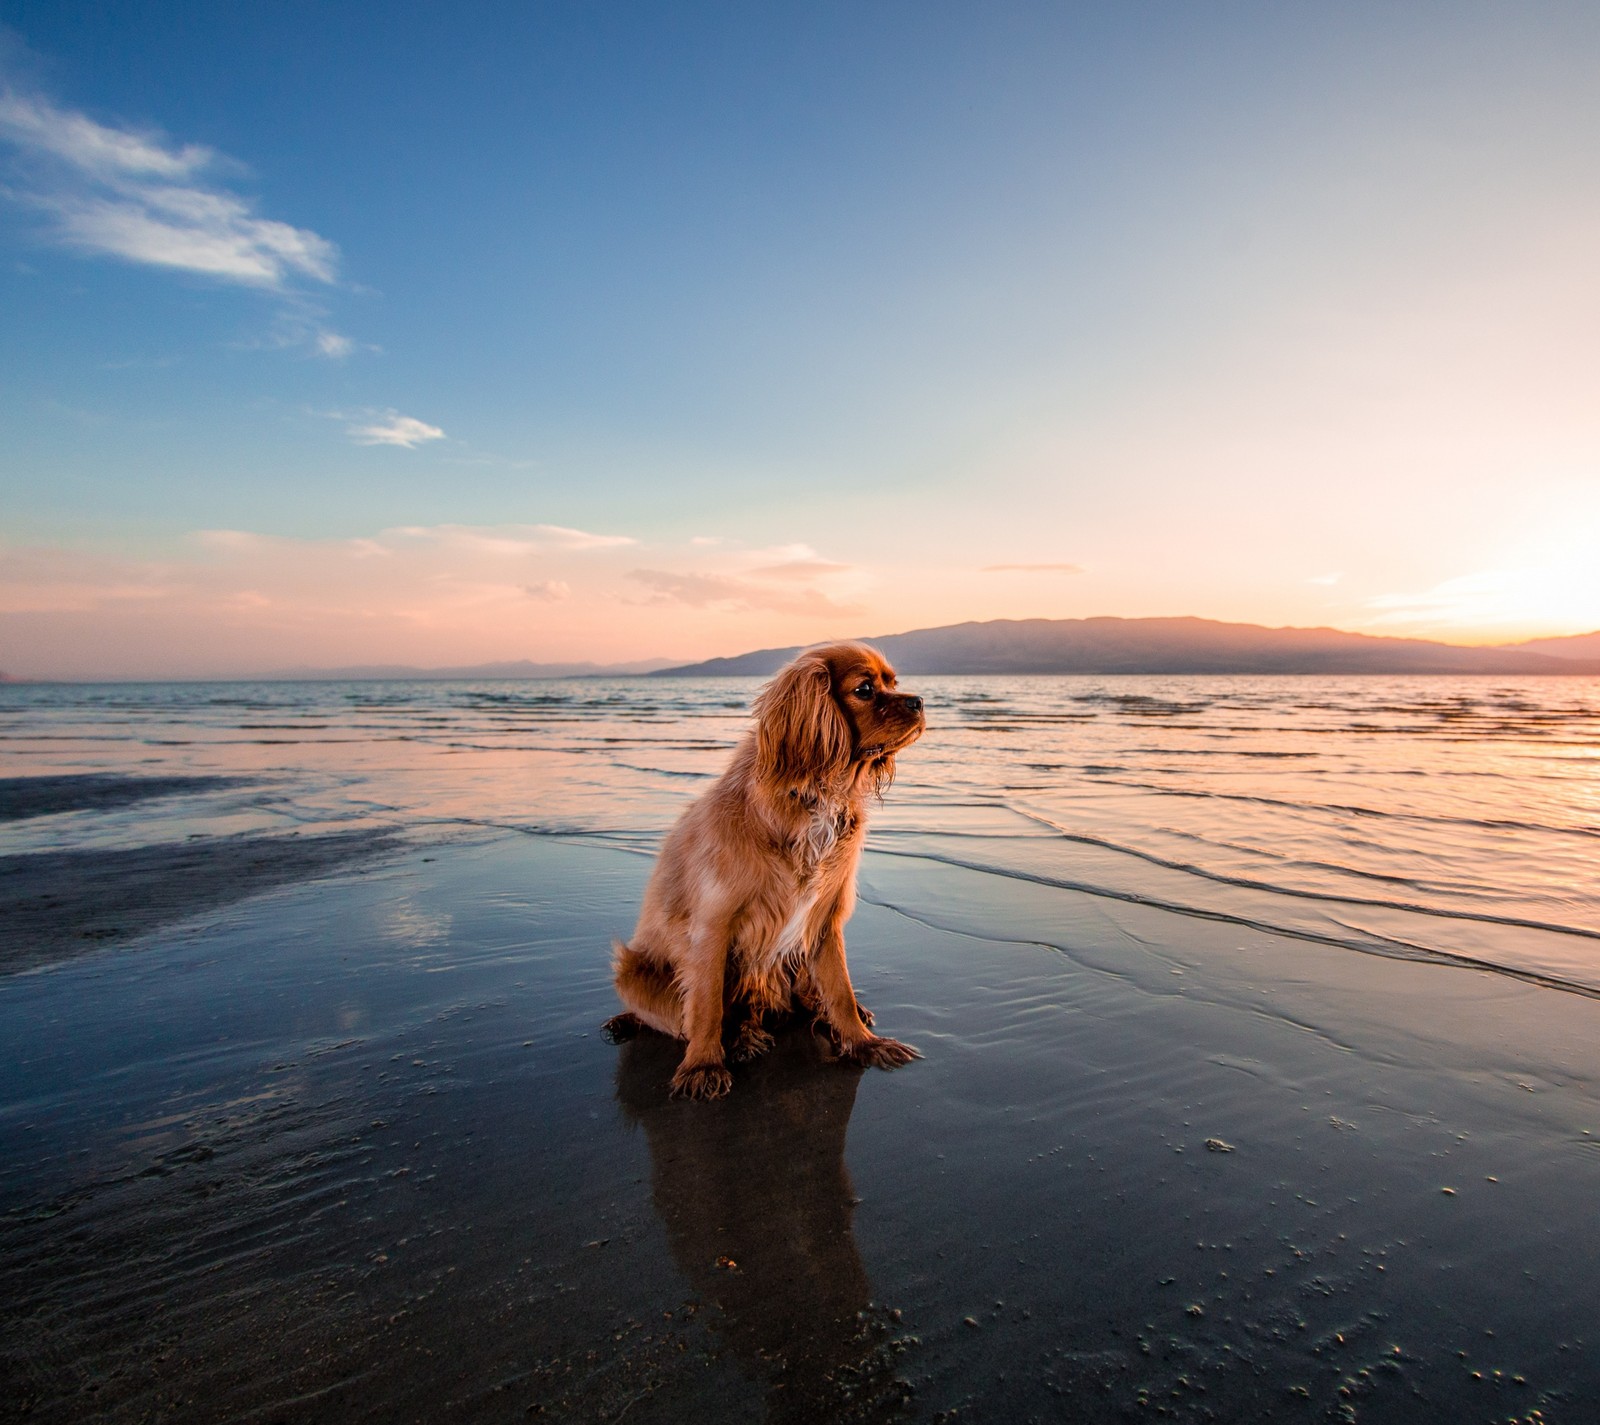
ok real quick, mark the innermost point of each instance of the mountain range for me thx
(1088, 645)
(1176, 645)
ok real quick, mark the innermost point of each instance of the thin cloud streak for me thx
(1032, 569)
(395, 429)
(511, 540)
(581, 539)
(92, 147)
(138, 197)
(1529, 601)
(799, 569)
(702, 591)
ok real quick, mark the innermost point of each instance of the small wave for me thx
(1146, 705)
(1360, 941)
(1023, 719)
(1348, 809)
(668, 772)
(1334, 897)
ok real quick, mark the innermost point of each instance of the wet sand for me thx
(59, 903)
(56, 903)
(354, 1149)
(24, 797)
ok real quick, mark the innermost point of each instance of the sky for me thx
(407, 333)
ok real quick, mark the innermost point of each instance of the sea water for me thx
(1434, 817)
(355, 1147)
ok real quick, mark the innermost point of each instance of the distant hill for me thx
(521, 668)
(1585, 646)
(1161, 645)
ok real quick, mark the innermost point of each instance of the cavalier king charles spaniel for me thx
(745, 910)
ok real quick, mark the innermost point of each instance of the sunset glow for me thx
(707, 331)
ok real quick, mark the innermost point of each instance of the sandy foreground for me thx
(344, 1142)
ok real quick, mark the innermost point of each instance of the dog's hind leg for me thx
(646, 986)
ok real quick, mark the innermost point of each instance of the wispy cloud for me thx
(510, 540)
(392, 428)
(1471, 599)
(1325, 580)
(1032, 569)
(799, 570)
(333, 345)
(580, 538)
(505, 541)
(724, 591)
(1555, 595)
(139, 196)
(93, 148)
(301, 325)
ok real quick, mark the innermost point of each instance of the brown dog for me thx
(749, 898)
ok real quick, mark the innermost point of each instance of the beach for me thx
(334, 1133)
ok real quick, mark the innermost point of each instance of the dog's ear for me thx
(801, 734)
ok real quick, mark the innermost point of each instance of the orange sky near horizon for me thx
(683, 333)
(236, 604)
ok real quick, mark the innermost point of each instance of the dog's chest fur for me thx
(824, 828)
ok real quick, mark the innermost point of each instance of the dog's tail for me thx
(646, 986)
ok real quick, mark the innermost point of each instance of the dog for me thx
(747, 903)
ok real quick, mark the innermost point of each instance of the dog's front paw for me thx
(701, 1081)
(880, 1053)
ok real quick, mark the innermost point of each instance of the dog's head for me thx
(833, 714)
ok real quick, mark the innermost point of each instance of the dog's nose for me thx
(915, 704)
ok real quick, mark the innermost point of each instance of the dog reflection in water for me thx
(757, 1206)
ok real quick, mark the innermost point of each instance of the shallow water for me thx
(1213, 1123)
(1449, 817)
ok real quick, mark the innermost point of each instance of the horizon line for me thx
(649, 666)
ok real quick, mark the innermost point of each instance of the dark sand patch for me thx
(23, 797)
(56, 904)
(358, 1151)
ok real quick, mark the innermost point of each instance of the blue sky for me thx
(364, 333)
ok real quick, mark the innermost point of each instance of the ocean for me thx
(1258, 1020)
(1449, 818)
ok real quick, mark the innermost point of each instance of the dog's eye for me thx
(864, 691)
